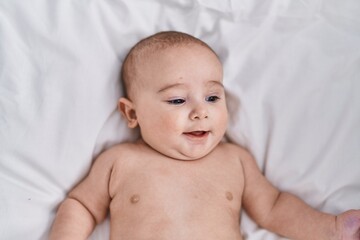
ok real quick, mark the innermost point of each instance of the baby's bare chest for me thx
(171, 199)
(178, 187)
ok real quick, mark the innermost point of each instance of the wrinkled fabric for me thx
(291, 70)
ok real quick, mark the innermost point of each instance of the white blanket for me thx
(292, 72)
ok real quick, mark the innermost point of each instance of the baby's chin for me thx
(188, 155)
(183, 154)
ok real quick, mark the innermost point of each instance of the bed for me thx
(292, 74)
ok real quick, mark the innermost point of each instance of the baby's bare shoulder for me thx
(233, 148)
(107, 158)
(125, 155)
(236, 151)
(120, 150)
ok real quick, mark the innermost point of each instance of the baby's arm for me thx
(87, 204)
(287, 215)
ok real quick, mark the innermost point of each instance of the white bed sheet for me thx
(292, 72)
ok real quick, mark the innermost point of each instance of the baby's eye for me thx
(178, 101)
(212, 99)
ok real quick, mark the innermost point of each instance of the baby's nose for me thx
(198, 113)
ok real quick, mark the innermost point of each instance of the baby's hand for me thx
(348, 225)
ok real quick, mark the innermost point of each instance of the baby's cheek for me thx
(172, 122)
(222, 121)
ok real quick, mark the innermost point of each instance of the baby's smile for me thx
(197, 134)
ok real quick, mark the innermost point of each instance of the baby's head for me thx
(175, 95)
(139, 53)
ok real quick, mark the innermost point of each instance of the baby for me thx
(180, 180)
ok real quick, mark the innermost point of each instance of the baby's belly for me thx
(160, 229)
(179, 219)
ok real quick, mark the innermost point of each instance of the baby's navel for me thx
(229, 196)
(135, 199)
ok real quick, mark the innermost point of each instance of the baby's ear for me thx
(126, 107)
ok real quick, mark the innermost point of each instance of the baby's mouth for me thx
(197, 134)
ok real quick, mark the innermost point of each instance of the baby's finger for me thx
(351, 225)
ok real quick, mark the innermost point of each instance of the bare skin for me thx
(151, 196)
(180, 181)
(154, 197)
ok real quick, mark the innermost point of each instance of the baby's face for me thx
(180, 106)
